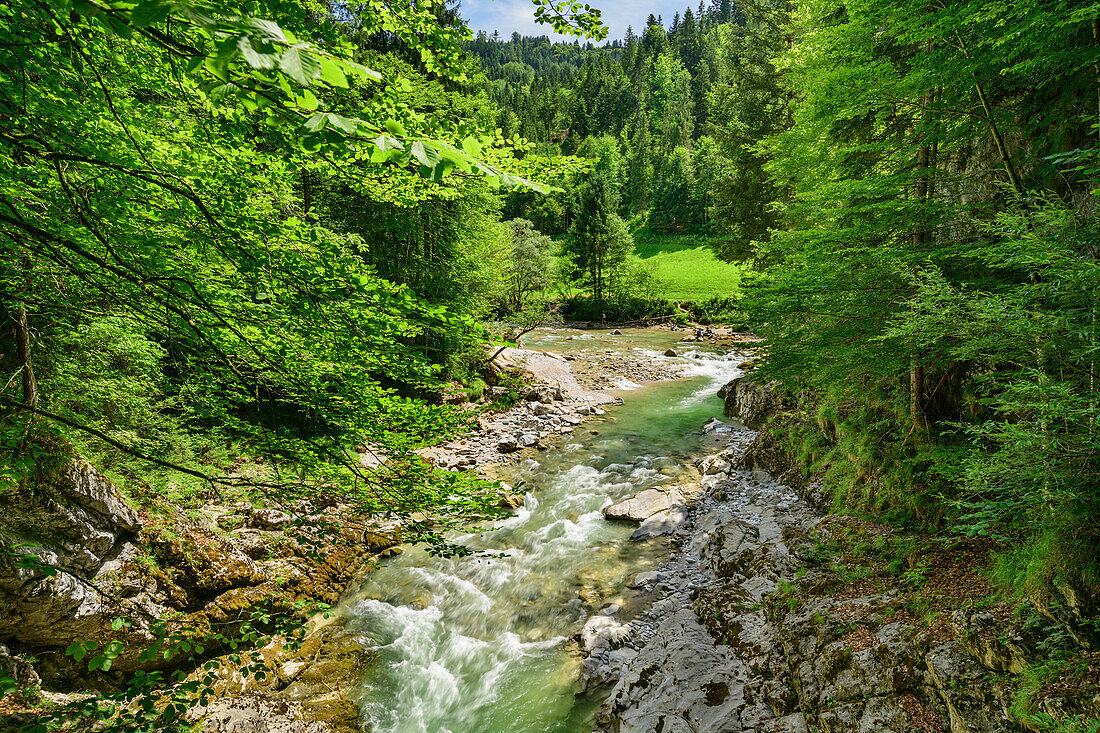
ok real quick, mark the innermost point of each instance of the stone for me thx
(714, 425)
(714, 465)
(254, 713)
(749, 402)
(643, 505)
(268, 519)
(455, 396)
(88, 488)
(681, 676)
(603, 631)
(511, 501)
(542, 409)
(661, 523)
(507, 445)
(963, 685)
(616, 332)
(77, 521)
(543, 393)
(643, 579)
(671, 352)
(20, 670)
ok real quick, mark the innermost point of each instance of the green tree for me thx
(531, 269)
(922, 257)
(674, 204)
(598, 241)
(751, 104)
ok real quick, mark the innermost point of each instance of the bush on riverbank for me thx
(630, 308)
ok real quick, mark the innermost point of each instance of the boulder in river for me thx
(661, 523)
(714, 425)
(671, 352)
(644, 505)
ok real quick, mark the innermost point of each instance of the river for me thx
(481, 644)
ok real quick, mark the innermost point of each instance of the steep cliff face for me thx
(83, 531)
(75, 556)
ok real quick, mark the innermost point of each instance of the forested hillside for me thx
(914, 187)
(672, 100)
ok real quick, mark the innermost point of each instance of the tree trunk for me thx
(921, 192)
(23, 353)
(998, 139)
(916, 395)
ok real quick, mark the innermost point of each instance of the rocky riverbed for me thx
(212, 569)
(736, 623)
(562, 392)
(746, 630)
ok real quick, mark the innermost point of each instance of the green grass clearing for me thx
(686, 265)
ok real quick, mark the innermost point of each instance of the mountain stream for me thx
(482, 644)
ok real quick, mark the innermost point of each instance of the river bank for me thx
(219, 567)
(772, 614)
(666, 566)
(483, 642)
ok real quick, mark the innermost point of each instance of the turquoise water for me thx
(482, 644)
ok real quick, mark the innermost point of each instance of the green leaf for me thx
(254, 58)
(316, 122)
(79, 649)
(300, 65)
(308, 100)
(343, 124)
(396, 128)
(332, 74)
(426, 155)
(361, 71)
(267, 30)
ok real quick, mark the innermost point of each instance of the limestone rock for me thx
(715, 425)
(644, 505)
(255, 713)
(963, 685)
(78, 522)
(544, 393)
(682, 676)
(511, 501)
(749, 402)
(661, 523)
(269, 519)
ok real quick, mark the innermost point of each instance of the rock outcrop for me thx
(59, 541)
(749, 402)
(737, 640)
(76, 557)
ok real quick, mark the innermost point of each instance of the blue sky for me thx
(519, 15)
